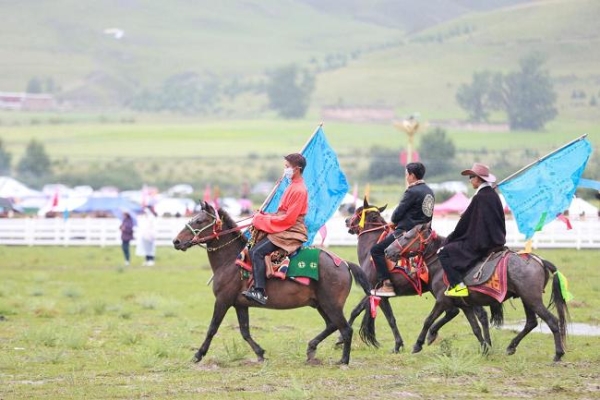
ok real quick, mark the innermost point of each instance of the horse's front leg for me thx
(470, 314)
(244, 322)
(434, 330)
(386, 307)
(436, 311)
(219, 311)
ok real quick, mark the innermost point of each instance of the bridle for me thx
(361, 217)
(217, 230)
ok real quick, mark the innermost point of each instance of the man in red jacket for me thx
(284, 229)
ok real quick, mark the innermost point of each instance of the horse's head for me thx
(365, 217)
(411, 242)
(202, 227)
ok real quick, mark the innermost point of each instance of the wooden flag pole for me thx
(270, 196)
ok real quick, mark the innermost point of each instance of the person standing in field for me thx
(147, 237)
(126, 235)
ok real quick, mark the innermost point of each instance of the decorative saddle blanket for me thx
(300, 266)
(489, 276)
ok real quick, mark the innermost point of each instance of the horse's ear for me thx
(365, 203)
(381, 209)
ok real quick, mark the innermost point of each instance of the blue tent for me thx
(114, 205)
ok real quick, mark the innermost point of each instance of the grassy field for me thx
(227, 153)
(78, 325)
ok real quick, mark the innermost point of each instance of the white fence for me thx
(105, 232)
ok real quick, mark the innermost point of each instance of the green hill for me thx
(401, 54)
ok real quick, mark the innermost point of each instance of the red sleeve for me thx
(294, 203)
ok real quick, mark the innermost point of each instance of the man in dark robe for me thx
(480, 230)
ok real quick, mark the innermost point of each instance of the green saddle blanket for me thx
(305, 263)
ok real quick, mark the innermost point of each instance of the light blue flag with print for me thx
(324, 180)
(539, 194)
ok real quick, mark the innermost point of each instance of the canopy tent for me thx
(454, 205)
(112, 205)
(581, 208)
(7, 205)
(10, 187)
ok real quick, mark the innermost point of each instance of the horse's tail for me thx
(497, 310)
(367, 327)
(360, 276)
(559, 297)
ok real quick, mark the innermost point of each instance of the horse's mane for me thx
(229, 223)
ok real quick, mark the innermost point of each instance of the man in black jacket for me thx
(416, 207)
(480, 230)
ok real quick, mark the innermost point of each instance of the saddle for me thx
(300, 266)
(489, 275)
(483, 270)
(277, 263)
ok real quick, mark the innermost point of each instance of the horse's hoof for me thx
(314, 361)
(431, 338)
(417, 349)
(510, 351)
(398, 348)
(197, 359)
(558, 357)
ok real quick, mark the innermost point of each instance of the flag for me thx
(543, 191)
(55, 199)
(324, 180)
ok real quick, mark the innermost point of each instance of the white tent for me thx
(12, 188)
(580, 208)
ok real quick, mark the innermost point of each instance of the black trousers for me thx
(454, 276)
(378, 254)
(257, 255)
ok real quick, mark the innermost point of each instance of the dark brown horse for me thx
(526, 275)
(223, 241)
(368, 223)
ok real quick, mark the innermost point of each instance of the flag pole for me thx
(270, 196)
(541, 159)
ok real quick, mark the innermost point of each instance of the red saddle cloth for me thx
(497, 285)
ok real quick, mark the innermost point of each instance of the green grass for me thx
(385, 66)
(60, 346)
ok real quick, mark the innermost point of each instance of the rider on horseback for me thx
(480, 230)
(416, 207)
(283, 230)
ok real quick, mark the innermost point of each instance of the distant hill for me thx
(394, 53)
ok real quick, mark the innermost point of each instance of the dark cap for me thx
(297, 160)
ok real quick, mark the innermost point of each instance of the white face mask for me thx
(288, 172)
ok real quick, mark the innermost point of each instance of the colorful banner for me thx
(540, 193)
(325, 181)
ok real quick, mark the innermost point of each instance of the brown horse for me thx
(223, 241)
(368, 223)
(527, 276)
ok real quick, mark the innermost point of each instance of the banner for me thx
(545, 190)
(324, 180)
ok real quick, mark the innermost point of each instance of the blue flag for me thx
(542, 192)
(324, 180)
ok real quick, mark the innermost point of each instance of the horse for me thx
(223, 240)
(527, 276)
(369, 225)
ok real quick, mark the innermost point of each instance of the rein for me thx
(216, 226)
